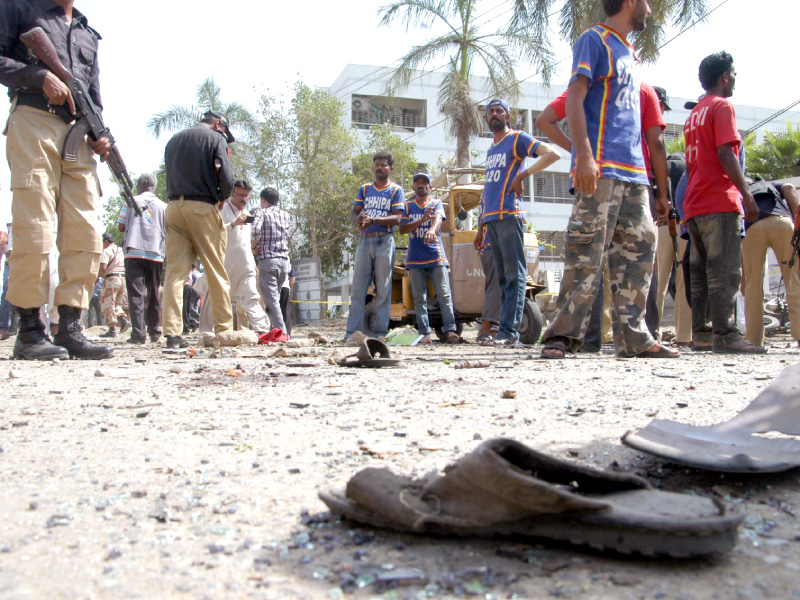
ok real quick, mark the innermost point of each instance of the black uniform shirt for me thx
(189, 158)
(75, 43)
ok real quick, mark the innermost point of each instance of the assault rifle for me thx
(795, 241)
(673, 233)
(89, 119)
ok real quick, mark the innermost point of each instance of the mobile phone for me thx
(250, 219)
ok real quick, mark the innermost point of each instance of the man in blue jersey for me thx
(503, 212)
(422, 221)
(611, 215)
(376, 210)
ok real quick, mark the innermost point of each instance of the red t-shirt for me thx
(711, 124)
(650, 109)
(651, 117)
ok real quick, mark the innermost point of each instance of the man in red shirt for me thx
(716, 198)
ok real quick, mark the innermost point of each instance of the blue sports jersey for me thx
(613, 115)
(421, 254)
(379, 202)
(503, 161)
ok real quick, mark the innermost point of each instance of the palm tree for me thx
(465, 46)
(468, 45)
(209, 97)
(242, 121)
(776, 157)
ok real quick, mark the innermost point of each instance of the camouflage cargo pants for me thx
(615, 223)
(111, 299)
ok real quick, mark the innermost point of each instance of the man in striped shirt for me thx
(611, 215)
(271, 248)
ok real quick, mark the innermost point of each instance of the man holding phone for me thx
(239, 263)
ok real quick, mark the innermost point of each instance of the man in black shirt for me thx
(199, 175)
(45, 187)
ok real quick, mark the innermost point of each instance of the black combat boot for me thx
(70, 336)
(32, 342)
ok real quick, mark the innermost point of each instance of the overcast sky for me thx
(155, 53)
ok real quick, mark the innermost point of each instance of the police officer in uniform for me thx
(45, 188)
(199, 175)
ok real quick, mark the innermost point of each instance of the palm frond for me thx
(417, 56)
(423, 13)
(174, 119)
(208, 94)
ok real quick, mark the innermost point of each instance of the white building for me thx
(418, 118)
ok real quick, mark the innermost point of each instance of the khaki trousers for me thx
(665, 253)
(112, 296)
(776, 233)
(45, 187)
(195, 230)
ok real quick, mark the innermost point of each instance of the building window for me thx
(539, 134)
(672, 132)
(552, 187)
(552, 245)
(402, 113)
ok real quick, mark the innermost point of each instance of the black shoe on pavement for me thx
(155, 337)
(124, 324)
(111, 333)
(133, 340)
(175, 341)
(70, 336)
(32, 343)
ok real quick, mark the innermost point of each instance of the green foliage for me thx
(110, 214)
(381, 138)
(325, 191)
(676, 145)
(776, 157)
(304, 150)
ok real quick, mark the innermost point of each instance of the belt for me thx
(195, 198)
(374, 234)
(41, 102)
(115, 275)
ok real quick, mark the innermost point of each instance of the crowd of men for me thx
(624, 183)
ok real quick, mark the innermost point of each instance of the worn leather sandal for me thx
(505, 489)
(736, 445)
(555, 348)
(740, 346)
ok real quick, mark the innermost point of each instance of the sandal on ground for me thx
(484, 337)
(740, 346)
(701, 347)
(505, 489)
(662, 352)
(555, 348)
(425, 340)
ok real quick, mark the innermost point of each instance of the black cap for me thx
(107, 237)
(224, 120)
(662, 96)
(691, 104)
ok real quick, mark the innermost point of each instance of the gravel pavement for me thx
(160, 475)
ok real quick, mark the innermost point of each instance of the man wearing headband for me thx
(503, 212)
